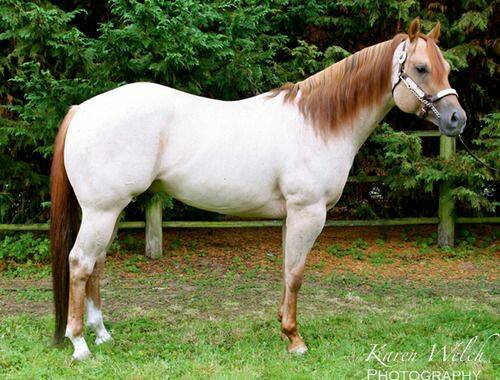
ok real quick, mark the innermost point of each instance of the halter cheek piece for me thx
(426, 99)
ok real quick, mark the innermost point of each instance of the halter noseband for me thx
(426, 99)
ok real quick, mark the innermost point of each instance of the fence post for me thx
(446, 228)
(154, 236)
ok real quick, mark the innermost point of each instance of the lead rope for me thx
(475, 157)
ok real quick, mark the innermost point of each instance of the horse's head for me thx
(420, 81)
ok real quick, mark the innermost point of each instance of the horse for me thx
(283, 154)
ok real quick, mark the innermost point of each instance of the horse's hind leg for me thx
(93, 238)
(93, 304)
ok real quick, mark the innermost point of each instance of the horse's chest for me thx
(316, 179)
(335, 187)
(333, 179)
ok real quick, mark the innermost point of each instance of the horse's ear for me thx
(435, 32)
(414, 29)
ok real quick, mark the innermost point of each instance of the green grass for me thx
(204, 340)
(146, 347)
(205, 315)
(355, 250)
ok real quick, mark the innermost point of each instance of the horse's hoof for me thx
(297, 349)
(104, 337)
(81, 355)
(284, 337)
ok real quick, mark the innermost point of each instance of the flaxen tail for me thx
(64, 224)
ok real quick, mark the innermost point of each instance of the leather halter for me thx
(426, 99)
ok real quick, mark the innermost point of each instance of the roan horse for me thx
(283, 154)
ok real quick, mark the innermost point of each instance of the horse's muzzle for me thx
(452, 122)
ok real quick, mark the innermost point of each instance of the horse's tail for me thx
(64, 224)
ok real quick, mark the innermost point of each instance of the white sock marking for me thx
(95, 322)
(81, 350)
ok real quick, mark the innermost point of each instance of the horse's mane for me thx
(332, 97)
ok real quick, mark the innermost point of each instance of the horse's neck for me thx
(365, 122)
(348, 99)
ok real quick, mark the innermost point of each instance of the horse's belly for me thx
(241, 193)
(228, 184)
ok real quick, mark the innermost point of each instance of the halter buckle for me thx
(422, 111)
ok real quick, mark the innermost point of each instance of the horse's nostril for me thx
(454, 119)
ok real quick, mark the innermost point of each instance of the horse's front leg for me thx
(303, 225)
(283, 289)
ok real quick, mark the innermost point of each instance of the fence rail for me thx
(329, 223)
(270, 223)
(445, 220)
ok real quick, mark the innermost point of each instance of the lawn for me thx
(208, 309)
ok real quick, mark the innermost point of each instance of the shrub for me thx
(24, 248)
(56, 53)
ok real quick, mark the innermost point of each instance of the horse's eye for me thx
(421, 69)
